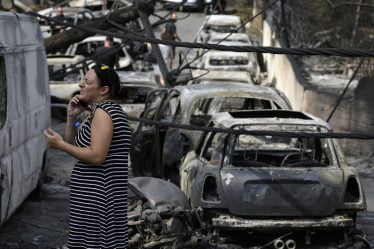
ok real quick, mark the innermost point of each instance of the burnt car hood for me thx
(301, 192)
(162, 195)
(133, 109)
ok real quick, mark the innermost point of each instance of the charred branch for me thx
(121, 15)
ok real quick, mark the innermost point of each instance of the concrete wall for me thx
(283, 71)
(355, 112)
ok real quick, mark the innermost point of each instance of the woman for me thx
(98, 196)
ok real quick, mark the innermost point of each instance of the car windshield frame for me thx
(220, 100)
(303, 154)
(139, 97)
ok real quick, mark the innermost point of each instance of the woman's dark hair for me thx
(108, 77)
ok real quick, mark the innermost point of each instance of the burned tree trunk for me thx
(121, 16)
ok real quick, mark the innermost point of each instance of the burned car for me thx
(230, 37)
(156, 150)
(188, 4)
(290, 185)
(203, 77)
(88, 46)
(158, 214)
(135, 87)
(232, 61)
(65, 74)
(71, 15)
(219, 24)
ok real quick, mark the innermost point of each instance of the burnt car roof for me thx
(234, 37)
(233, 89)
(271, 117)
(223, 20)
(225, 54)
(137, 77)
(220, 75)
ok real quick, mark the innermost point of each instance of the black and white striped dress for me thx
(98, 197)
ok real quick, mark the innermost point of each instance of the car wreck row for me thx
(262, 186)
(265, 188)
(191, 105)
(194, 188)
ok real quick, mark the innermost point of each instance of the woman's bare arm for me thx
(101, 138)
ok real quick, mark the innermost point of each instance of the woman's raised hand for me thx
(75, 107)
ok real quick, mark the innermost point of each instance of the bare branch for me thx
(67, 37)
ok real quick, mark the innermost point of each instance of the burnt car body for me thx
(156, 150)
(219, 24)
(257, 183)
(65, 78)
(135, 86)
(189, 4)
(158, 213)
(217, 38)
(202, 77)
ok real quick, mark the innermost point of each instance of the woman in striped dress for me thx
(98, 196)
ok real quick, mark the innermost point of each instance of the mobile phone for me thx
(84, 104)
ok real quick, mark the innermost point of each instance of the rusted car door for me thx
(169, 111)
(143, 148)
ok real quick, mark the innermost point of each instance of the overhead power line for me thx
(346, 135)
(343, 52)
(180, 68)
(345, 90)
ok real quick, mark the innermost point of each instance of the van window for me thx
(3, 100)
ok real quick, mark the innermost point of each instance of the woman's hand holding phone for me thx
(75, 107)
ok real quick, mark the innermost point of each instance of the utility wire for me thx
(345, 89)
(163, 19)
(228, 35)
(202, 28)
(346, 135)
(343, 52)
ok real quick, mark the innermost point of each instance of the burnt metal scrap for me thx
(159, 216)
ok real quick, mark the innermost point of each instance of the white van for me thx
(24, 109)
